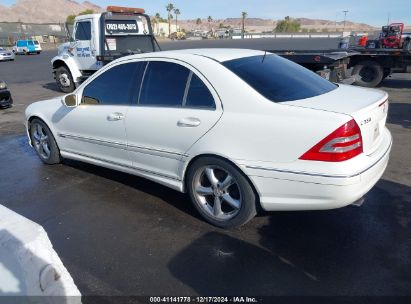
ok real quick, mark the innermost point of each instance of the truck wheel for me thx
(368, 73)
(64, 80)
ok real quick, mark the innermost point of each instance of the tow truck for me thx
(98, 39)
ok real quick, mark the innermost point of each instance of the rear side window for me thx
(279, 79)
(30, 42)
(198, 95)
(83, 30)
(113, 87)
(21, 43)
(164, 84)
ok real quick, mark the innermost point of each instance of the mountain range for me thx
(52, 11)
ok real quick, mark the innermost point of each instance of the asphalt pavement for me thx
(119, 234)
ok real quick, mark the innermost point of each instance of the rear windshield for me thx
(279, 79)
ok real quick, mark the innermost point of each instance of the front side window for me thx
(113, 87)
(83, 30)
(164, 84)
(279, 79)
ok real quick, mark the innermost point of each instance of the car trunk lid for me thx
(368, 107)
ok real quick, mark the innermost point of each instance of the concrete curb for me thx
(29, 266)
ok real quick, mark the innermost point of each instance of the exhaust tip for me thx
(359, 202)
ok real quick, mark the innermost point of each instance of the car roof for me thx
(215, 54)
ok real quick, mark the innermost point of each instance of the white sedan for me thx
(236, 129)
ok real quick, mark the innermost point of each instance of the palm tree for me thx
(209, 19)
(158, 19)
(169, 8)
(243, 15)
(177, 12)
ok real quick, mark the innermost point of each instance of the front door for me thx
(83, 52)
(96, 127)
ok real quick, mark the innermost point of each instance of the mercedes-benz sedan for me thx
(236, 129)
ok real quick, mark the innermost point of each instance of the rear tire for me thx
(368, 73)
(220, 192)
(64, 79)
(44, 142)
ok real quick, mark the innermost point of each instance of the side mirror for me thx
(70, 100)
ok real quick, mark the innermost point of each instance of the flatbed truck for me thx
(362, 66)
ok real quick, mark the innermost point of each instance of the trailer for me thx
(362, 66)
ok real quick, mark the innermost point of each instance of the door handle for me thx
(115, 116)
(189, 122)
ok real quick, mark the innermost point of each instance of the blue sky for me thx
(374, 12)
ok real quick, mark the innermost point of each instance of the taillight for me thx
(342, 144)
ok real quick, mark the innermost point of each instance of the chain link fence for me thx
(48, 34)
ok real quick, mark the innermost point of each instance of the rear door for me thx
(174, 108)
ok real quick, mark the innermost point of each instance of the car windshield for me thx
(279, 79)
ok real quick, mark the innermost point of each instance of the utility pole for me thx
(345, 18)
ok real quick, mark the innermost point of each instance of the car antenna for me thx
(265, 53)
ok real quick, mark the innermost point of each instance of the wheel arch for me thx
(39, 117)
(69, 63)
(187, 166)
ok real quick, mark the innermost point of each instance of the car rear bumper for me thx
(5, 98)
(290, 190)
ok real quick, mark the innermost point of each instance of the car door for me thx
(175, 107)
(95, 128)
(84, 54)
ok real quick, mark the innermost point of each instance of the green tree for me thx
(70, 18)
(169, 8)
(287, 25)
(177, 12)
(198, 21)
(243, 16)
(304, 30)
(313, 31)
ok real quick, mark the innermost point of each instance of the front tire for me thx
(64, 80)
(44, 143)
(220, 192)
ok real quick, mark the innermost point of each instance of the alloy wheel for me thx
(41, 141)
(217, 192)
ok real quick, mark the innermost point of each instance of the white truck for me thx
(100, 38)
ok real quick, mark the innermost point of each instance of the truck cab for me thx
(97, 39)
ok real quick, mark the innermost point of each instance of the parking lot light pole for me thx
(345, 18)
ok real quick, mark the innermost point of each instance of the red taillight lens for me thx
(342, 144)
